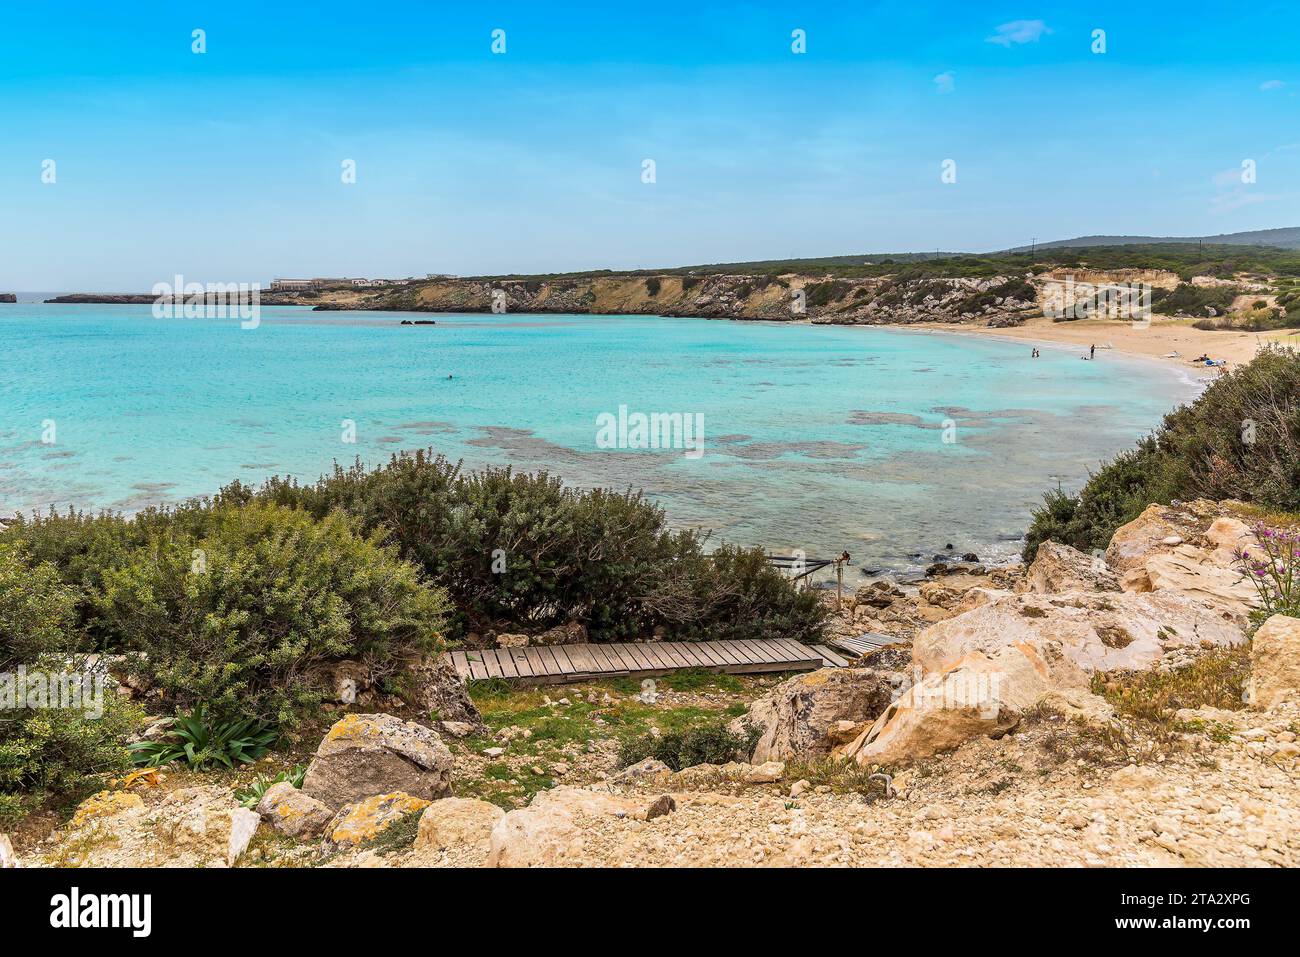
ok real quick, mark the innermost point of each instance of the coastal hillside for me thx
(1254, 288)
(958, 299)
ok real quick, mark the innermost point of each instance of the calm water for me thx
(816, 437)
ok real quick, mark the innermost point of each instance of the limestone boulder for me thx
(572, 633)
(1059, 568)
(293, 813)
(550, 830)
(978, 597)
(365, 820)
(799, 716)
(982, 694)
(1187, 570)
(1190, 550)
(1134, 542)
(647, 769)
(189, 827)
(1228, 537)
(1094, 631)
(8, 858)
(878, 594)
(367, 754)
(439, 691)
(1275, 662)
(458, 821)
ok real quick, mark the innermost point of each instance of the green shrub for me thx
(82, 546)
(710, 743)
(652, 286)
(37, 609)
(1240, 439)
(825, 293)
(201, 741)
(243, 616)
(50, 751)
(62, 752)
(601, 557)
(1188, 300)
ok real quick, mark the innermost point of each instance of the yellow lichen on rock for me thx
(105, 804)
(367, 819)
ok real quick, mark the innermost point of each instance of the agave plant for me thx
(202, 741)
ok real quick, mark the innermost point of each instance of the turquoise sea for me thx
(822, 438)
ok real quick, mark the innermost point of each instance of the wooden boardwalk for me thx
(564, 664)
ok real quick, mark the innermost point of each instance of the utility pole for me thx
(1033, 245)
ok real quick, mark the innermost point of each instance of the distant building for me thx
(292, 285)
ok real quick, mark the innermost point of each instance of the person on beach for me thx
(1092, 352)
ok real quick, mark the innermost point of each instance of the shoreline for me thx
(1155, 343)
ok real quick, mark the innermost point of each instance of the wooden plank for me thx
(637, 652)
(507, 663)
(460, 664)
(798, 649)
(622, 653)
(712, 655)
(490, 662)
(581, 658)
(788, 650)
(562, 658)
(522, 663)
(476, 668)
(728, 656)
(757, 651)
(672, 653)
(684, 659)
(695, 651)
(660, 656)
(830, 657)
(538, 663)
(654, 657)
(600, 656)
(742, 656)
(554, 668)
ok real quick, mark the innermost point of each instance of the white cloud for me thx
(1271, 85)
(1227, 202)
(1019, 31)
(943, 83)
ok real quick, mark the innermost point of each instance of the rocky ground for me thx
(1120, 717)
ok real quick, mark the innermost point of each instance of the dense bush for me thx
(710, 743)
(59, 751)
(62, 752)
(1188, 300)
(37, 609)
(825, 293)
(522, 549)
(1240, 439)
(241, 613)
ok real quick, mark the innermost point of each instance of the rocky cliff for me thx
(995, 300)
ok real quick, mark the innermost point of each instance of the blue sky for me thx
(226, 166)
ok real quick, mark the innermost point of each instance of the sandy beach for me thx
(1158, 341)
